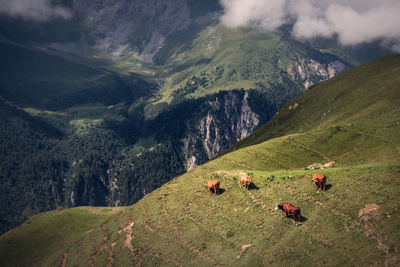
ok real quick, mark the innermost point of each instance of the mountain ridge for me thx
(181, 223)
(139, 96)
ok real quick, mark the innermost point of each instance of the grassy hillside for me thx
(219, 58)
(355, 222)
(364, 100)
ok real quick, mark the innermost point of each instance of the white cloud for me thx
(354, 22)
(265, 14)
(37, 10)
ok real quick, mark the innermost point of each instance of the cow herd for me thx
(318, 179)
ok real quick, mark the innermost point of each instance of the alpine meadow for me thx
(187, 133)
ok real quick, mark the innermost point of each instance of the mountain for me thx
(351, 119)
(105, 106)
(123, 29)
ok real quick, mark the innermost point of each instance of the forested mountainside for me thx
(104, 106)
(351, 120)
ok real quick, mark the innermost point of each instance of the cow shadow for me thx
(252, 186)
(327, 187)
(303, 218)
(292, 218)
(221, 191)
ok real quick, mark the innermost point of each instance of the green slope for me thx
(364, 100)
(219, 58)
(181, 224)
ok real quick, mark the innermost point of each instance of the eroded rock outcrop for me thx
(229, 119)
(310, 71)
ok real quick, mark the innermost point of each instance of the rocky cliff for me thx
(135, 28)
(229, 118)
(310, 71)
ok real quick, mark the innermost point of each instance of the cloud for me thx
(37, 10)
(354, 22)
(265, 14)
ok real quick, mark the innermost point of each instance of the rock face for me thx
(115, 24)
(310, 71)
(228, 119)
(134, 27)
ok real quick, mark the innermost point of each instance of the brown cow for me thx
(245, 179)
(291, 209)
(319, 181)
(213, 184)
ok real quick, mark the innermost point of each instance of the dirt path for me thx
(102, 247)
(367, 220)
(261, 203)
(128, 229)
(243, 249)
(110, 255)
(64, 260)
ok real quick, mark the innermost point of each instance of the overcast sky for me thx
(354, 21)
(36, 10)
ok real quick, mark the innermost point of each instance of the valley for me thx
(110, 101)
(351, 119)
(85, 125)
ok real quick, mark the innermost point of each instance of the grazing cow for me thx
(319, 181)
(213, 184)
(291, 209)
(245, 179)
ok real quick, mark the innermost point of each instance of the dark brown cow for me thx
(213, 184)
(319, 181)
(291, 209)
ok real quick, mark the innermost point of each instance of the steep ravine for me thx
(229, 119)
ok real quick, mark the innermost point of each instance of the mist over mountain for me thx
(35, 10)
(353, 22)
(104, 101)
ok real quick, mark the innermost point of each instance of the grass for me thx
(38, 112)
(62, 227)
(182, 224)
(246, 57)
(85, 117)
(83, 126)
(364, 100)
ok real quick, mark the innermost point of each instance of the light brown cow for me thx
(291, 209)
(319, 181)
(245, 179)
(213, 184)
